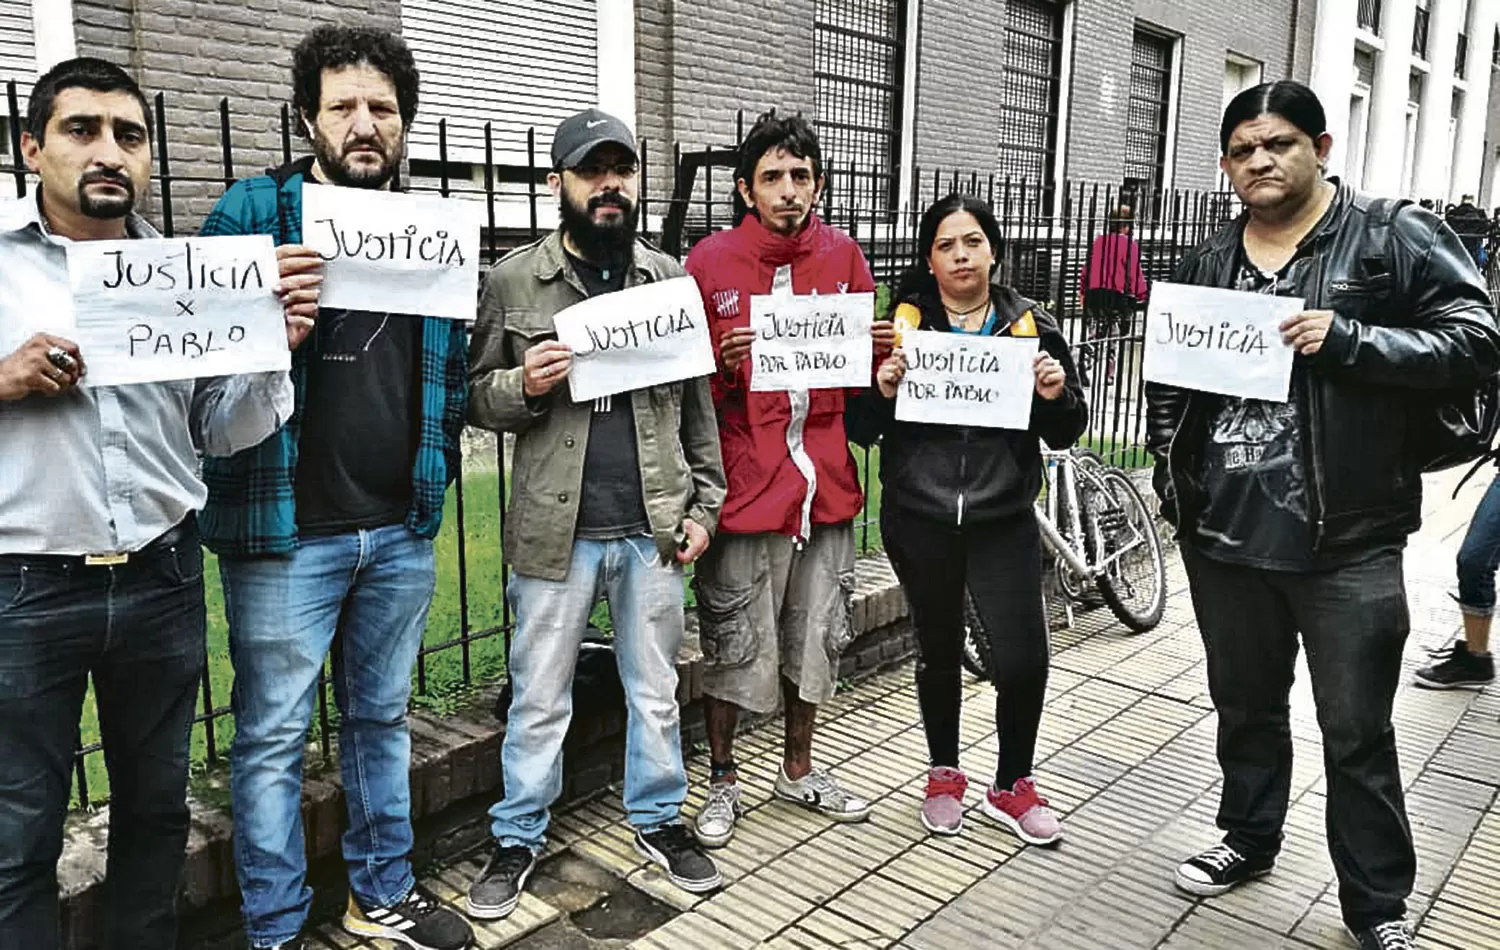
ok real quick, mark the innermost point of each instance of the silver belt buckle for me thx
(106, 560)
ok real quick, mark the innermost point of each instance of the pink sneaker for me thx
(1024, 812)
(943, 812)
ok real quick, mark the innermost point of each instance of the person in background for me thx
(1111, 288)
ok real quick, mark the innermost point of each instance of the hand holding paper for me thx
(1306, 331)
(634, 338)
(298, 289)
(1051, 378)
(955, 379)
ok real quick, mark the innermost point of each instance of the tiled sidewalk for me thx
(1126, 752)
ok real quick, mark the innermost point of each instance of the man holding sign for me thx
(101, 575)
(775, 589)
(612, 495)
(1292, 514)
(327, 526)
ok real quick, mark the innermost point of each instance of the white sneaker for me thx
(818, 791)
(715, 823)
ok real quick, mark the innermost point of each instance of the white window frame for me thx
(1064, 103)
(911, 64)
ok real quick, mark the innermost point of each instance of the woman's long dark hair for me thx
(918, 280)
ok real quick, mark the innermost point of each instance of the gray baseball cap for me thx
(581, 133)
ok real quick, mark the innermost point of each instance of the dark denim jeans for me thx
(1354, 623)
(139, 630)
(1479, 556)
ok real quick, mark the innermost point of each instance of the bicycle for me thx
(1103, 539)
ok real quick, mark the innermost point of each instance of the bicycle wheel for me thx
(1121, 530)
(975, 655)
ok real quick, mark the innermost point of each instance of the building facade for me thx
(1407, 87)
(1127, 93)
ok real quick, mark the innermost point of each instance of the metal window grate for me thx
(1146, 129)
(1029, 91)
(1414, 87)
(1369, 15)
(1461, 61)
(1419, 33)
(857, 74)
(1364, 66)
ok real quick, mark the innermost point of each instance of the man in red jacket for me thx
(775, 586)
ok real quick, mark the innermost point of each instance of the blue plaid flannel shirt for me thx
(251, 506)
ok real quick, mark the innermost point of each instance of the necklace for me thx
(963, 315)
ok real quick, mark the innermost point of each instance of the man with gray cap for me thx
(612, 497)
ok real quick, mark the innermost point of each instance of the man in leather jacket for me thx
(1292, 517)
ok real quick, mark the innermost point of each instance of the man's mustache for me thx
(105, 175)
(611, 199)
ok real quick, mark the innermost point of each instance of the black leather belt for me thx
(184, 531)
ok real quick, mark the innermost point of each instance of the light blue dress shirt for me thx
(105, 470)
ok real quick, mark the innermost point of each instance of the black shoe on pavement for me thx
(1457, 668)
(1391, 935)
(1219, 869)
(296, 943)
(418, 920)
(497, 890)
(678, 853)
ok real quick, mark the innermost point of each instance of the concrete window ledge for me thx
(455, 777)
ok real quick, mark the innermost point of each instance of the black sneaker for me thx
(1391, 935)
(1212, 872)
(1457, 668)
(417, 920)
(296, 943)
(674, 848)
(497, 890)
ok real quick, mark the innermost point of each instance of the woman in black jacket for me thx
(956, 512)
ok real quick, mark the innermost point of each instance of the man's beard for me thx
(332, 161)
(110, 207)
(610, 243)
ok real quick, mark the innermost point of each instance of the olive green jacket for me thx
(677, 434)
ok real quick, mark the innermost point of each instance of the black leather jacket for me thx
(1412, 318)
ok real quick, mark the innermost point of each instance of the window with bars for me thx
(1364, 66)
(1419, 33)
(858, 48)
(1148, 114)
(1369, 15)
(1029, 106)
(1461, 62)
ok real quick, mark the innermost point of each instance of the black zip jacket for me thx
(965, 474)
(1412, 323)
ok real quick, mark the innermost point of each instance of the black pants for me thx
(1001, 564)
(139, 630)
(1354, 623)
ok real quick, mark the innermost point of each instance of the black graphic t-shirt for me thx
(359, 422)
(1254, 477)
(611, 503)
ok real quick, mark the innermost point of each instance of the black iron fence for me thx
(1050, 232)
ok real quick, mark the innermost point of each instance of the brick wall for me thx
(1210, 29)
(959, 56)
(198, 52)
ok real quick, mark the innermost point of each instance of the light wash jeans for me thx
(374, 587)
(645, 605)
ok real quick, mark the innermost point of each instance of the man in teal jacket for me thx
(328, 526)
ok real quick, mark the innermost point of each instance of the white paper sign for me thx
(811, 342)
(394, 253)
(1219, 341)
(634, 338)
(957, 379)
(178, 308)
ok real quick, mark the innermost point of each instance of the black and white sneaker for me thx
(417, 920)
(497, 890)
(677, 852)
(1391, 935)
(1457, 668)
(1220, 868)
(296, 943)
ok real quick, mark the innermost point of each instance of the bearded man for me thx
(611, 497)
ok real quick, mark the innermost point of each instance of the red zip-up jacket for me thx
(771, 441)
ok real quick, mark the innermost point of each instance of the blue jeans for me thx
(1480, 555)
(137, 630)
(373, 587)
(645, 606)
